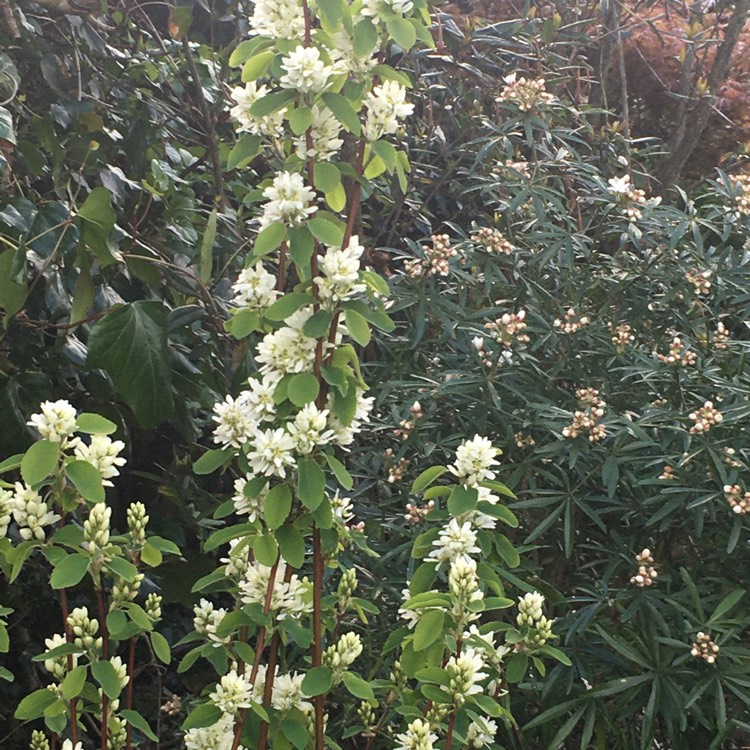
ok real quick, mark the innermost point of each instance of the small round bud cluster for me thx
(521, 167)
(678, 354)
(173, 706)
(236, 560)
(58, 666)
(704, 648)
(478, 343)
(137, 521)
(396, 468)
(84, 629)
(347, 587)
(721, 336)
(646, 572)
(417, 736)
(397, 676)
(585, 419)
(463, 585)
(96, 527)
(464, 674)
(416, 513)
(481, 733)
(366, 715)
(525, 93)
(729, 459)
(738, 501)
(523, 441)
(507, 328)
(125, 591)
(699, 280)
(622, 335)
(6, 510)
(406, 426)
(705, 418)
(742, 182)
(572, 322)
(493, 241)
(232, 693)
(39, 741)
(118, 733)
(342, 654)
(436, 260)
(207, 619)
(531, 616)
(120, 669)
(668, 473)
(153, 607)
(436, 713)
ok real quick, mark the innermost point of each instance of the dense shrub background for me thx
(120, 187)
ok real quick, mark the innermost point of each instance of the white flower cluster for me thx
(374, 9)
(218, 736)
(30, 512)
(324, 136)
(289, 200)
(340, 656)
(465, 673)
(474, 459)
(55, 422)
(291, 598)
(207, 619)
(531, 616)
(245, 96)
(417, 736)
(255, 289)
(278, 19)
(386, 105)
(103, 454)
(340, 274)
(306, 71)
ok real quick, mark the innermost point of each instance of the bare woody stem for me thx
(105, 656)
(69, 639)
(129, 700)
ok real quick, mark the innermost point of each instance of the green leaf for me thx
(300, 119)
(138, 722)
(336, 198)
(296, 732)
(326, 231)
(244, 151)
(227, 534)
(516, 667)
(123, 568)
(358, 327)
(428, 629)
(11, 463)
(130, 343)
(387, 152)
(242, 323)
(73, 683)
(94, 424)
(489, 706)
(327, 176)
(207, 247)
(291, 544)
(6, 126)
(245, 50)
(106, 675)
(426, 478)
(462, 500)
(365, 37)
(211, 460)
(358, 687)
(257, 65)
(271, 103)
(343, 477)
(343, 111)
(507, 551)
(12, 293)
(205, 715)
(87, 480)
(40, 461)
(332, 12)
(317, 681)
(69, 571)
(161, 647)
(318, 324)
(303, 388)
(269, 239)
(265, 549)
(277, 505)
(33, 705)
(97, 209)
(311, 483)
(725, 605)
(402, 32)
(288, 304)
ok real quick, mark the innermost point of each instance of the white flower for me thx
(278, 19)
(465, 673)
(252, 507)
(309, 429)
(473, 460)
(287, 598)
(324, 131)
(271, 453)
(68, 745)
(259, 399)
(386, 105)
(530, 608)
(232, 693)
(417, 736)
(207, 618)
(345, 61)
(31, 513)
(218, 736)
(103, 454)
(287, 693)
(411, 616)
(340, 269)
(58, 666)
(288, 200)
(342, 508)
(287, 350)
(235, 561)
(344, 434)
(6, 510)
(454, 541)
(255, 289)
(374, 8)
(481, 732)
(56, 421)
(305, 71)
(269, 125)
(619, 184)
(234, 422)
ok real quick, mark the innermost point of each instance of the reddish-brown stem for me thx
(356, 196)
(268, 687)
(105, 652)
(317, 650)
(280, 276)
(131, 674)
(449, 735)
(69, 639)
